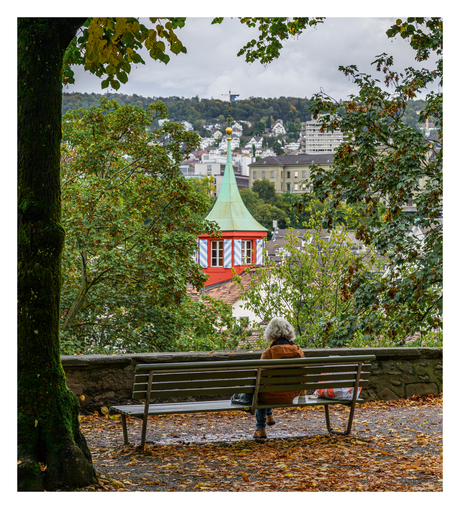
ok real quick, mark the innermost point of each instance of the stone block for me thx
(387, 394)
(421, 389)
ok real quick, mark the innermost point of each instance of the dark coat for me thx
(283, 350)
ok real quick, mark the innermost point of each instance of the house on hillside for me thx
(237, 129)
(234, 143)
(277, 129)
(256, 141)
(187, 125)
(269, 152)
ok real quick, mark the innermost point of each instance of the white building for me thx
(235, 143)
(187, 125)
(313, 141)
(277, 128)
(256, 141)
(214, 164)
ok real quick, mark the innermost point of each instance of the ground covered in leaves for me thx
(394, 446)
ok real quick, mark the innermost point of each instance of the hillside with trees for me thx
(288, 109)
(256, 110)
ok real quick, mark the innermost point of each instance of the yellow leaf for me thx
(82, 397)
(104, 410)
(36, 423)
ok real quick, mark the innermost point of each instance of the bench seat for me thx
(192, 407)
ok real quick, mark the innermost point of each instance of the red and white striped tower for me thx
(242, 238)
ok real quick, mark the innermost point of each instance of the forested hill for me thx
(193, 110)
(288, 109)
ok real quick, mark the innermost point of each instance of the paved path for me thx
(394, 446)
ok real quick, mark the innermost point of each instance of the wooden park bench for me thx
(153, 382)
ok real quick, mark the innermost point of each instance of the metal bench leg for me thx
(144, 431)
(328, 421)
(125, 429)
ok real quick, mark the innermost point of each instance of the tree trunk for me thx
(52, 452)
(81, 295)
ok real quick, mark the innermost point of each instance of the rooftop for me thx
(304, 159)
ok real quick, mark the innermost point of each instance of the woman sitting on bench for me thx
(280, 333)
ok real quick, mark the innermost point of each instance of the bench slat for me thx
(308, 386)
(256, 363)
(209, 375)
(199, 375)
(194, 392)
(195, 384)
(314, 370)
(185, 387)
(178, 408)
(316, 378)
(209, 391)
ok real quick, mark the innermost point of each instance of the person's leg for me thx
(270, 418)
(261, 416)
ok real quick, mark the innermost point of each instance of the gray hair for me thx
(279, 328)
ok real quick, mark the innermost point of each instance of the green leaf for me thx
(176, 48)
(128, 39)
(122, 76)
(164, 58)
(110, 69)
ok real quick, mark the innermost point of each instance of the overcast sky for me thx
(307, 63)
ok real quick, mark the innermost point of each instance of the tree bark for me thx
(52, 452)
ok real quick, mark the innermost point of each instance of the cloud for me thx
(310, 62)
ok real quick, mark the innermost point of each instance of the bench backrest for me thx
(177, 380)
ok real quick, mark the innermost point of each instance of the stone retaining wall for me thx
(106, 380)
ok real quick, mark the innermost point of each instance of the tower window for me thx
(217, 253)
(246, 252)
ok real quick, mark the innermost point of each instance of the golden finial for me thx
(229, 132)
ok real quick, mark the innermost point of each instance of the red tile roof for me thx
(227, 291)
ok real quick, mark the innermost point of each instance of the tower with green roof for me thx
(242, 238)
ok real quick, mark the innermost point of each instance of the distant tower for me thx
(242, 238)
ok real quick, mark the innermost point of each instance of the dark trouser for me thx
(261, 417)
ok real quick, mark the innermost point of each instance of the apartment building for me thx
(313, 141)
(288, 173)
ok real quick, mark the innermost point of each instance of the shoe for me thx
(260, 433)
(270, 420)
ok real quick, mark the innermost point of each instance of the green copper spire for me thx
(229, 211)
